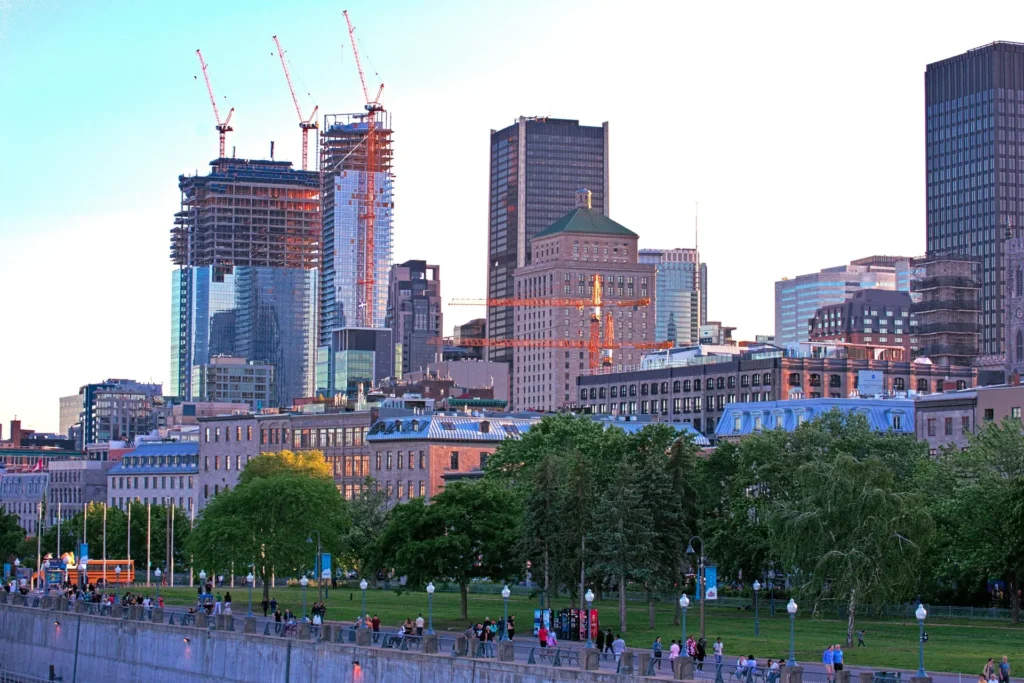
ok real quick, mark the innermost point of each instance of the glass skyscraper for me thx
(681, 296)
(246, 246)
(974, 112)
(537, 165)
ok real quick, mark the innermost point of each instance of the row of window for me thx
(122, 503)
(896, 383)
(679, 405)
(654, 388)
(227, 462)
(159, 482)
(217, 431)
(407, 492)
(388, 459)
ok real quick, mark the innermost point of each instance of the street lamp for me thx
(325, 579)
(251, 579)
(757, 625)
(309, 539)
(771, 590)
(362, 587)
(304, 582)
(921, 613)
(700, 577)
(430, 608)
(85, 573)
(158, 574)
(505, 592)
(684, 602)
(202, 579)
(117, 580)
(791, 608)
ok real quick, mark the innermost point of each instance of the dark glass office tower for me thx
(974, 106)
(537, 164)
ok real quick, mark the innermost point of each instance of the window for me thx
(453, 462)
(423, 489)
(965, 424)
(483, 460)
(744, 381)
(583, 394)
(401, 459)
(897, 422)
(248, 433)
(378, 461)
(412, 461)
(948, 426)
(206, 435)
(1020, 340)
(835, 381)
(767, 379)
(899, 384)
(794, 379)
(696, 385)
(686, 385)
(732, 382)
(1019, 281)
(644, 390)
(676, 386)
(632, 390)
(931, 426)
(989, 414)
(1015, 413)
(614, 391)
(664, 387)
(423, 460)
(922, 386)
(815, 380)
(737, 420)
(757, 423)
(755, 380)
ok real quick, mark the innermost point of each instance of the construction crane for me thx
(367, 214)
(305, 124)
(223, 127)
(578, 304)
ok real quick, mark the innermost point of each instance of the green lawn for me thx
(953, 646)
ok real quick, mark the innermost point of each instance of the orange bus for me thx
(103, 570)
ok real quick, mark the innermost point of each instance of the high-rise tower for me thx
(536, 164)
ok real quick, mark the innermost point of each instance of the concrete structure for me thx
(246, 247)
(226, 445)
(76, 483)
(355, 357)
(470, 374)
(460, 346)
(743, 419)
(414, 314)
(716, 334)
(231, 379)
(946, 317)
(870, 316)
(71, 408)
(535, 164)
(179, 420)
(798, 298)
(117, 409)
(412, 455)
(34, 459)
(1013, 312)
(23, 494)
(971, 153)
(681, 294)
(567, 258)
(160, 473)
(948, 419)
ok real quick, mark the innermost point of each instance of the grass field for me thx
(953, 646)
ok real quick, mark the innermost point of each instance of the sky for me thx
(797, 127)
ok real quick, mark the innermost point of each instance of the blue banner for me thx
(711, 583)
(7, 570)
(325, 563)
(83, 551)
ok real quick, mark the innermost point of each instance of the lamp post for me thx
(921, 613)
(505, 593)
(85, 572)
(430, 608)
(362, 587)
(325, 579)
(684, 602)
(158, 574)
(757, 624)
(771, 591)
(309, 539)
(791, 608)
(251, 579)
(304, 582)
(700, 577)
(202, 579)
(117, 580)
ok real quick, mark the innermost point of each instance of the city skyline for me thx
(808, 153)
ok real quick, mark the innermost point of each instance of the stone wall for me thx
(84, 648)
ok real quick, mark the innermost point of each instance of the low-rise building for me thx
(947, 420)
(743, 419)
(164, 473)
(22, 494)
(75, 484)
(230, 379)
(869, 316)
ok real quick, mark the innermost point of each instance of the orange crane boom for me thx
(368, 209)
(222, 127)
(305, 124)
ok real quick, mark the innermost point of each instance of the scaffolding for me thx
(946, 320)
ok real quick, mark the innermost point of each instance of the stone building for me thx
(163, 473)
(76, 483)
(22, 494)
(947, 420)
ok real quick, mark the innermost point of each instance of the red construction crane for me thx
(305, 124)
(367, 212)
(223, 127)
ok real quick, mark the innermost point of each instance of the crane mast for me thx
(222, 127)
(305, 124)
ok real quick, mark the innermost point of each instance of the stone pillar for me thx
(866, 676)
(843, 676)
(431, 644)
(47, 602)
(222, 622)
(158, 615)
(796, 674)
(327, 633)
(474, 646)
(462, 646)
(591, 660)
(202, 620)
(643, 660)
(250, 625)
(364, 637)
(117, 611)
(62, 604)
(506, 651)
(626, 663)
(682, 668)
(303, 630)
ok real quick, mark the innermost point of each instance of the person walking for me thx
(542, 635)
(702, 653)
(227, 603)
(273, 605)
(1004, 670)
(600, 641)
(828, 660)
(860, 638)
(673, 652)
(837, 658)
(618, 647)
(510, 627)
(552, 638)
(265, 604)
(656, 651)
(719, 650)
(608, 642)
(419, 625)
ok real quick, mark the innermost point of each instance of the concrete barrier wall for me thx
(85, 648)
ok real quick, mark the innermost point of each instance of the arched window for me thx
(1020, 346)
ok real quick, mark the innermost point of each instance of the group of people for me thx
(832, 659)
(319, 611)
(489, 631)
(206, 601)
(995, 674)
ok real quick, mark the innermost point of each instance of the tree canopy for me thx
(311, 463)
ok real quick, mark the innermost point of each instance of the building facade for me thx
(125, 411)
(875, 317)
(582, 250)
(414, 314)
(947, 420)
(232, 379)
(536, 163)
(680, 292)
(246, 247)
(946, 319)
(798, 298)
(158, 473)
(70, 412)
(355, 358)
(1013, 314)
(75, 484)
(883, 415)
(974, 115)
(23, 495)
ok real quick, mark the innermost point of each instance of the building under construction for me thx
(246, 247)
(946, 320)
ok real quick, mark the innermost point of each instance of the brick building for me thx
(580, 249)
(871, 316)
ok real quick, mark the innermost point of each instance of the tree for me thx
(311, 463)
(683, 478)
(468, 531)
(266, 522)
(11, 536)
(360, 541)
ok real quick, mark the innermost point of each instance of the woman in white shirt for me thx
(673, 651)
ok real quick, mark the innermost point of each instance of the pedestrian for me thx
(273, 605)
(719, 650)
(542, 635)
(227, 603)
(837, 657)
(277, 616)
(773, 671)
(600, 641)
(618, 647)
(860, 638)
(656, 651)
(741, 668)
(608, 642)
(828, 660)
(702, 653)
(375, 625)
(419, 625)
(691, 647)
(265, 604)
(990, 668)
(1004, 670)
(510, 627)
(673, 651)
(552, 638)
(218, 606)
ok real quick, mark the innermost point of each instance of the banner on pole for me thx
(711, 583)
(325, 563)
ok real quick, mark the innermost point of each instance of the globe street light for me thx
(791, 608)
(117, 580)
(319, 555)
(771, 590)
(304, 582)
(251, 579)
(757, 625)
(362, 587)
(684, 602)
(505, 592)
(158, 574)
(202, 579)
(430, 608)
(921, 613)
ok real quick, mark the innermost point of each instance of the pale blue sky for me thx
(798, 127)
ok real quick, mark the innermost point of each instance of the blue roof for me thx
(883, 415)
(634, 426)
(168, 457)
(449, 428)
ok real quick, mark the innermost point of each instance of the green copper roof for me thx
(589, 221)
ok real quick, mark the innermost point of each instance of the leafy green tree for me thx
(468, 531)
(266, 522)
(360, 542)
(683, 474)
(11, 536)
(311, 463)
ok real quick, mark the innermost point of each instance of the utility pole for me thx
(104, 543)
(58, 531)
